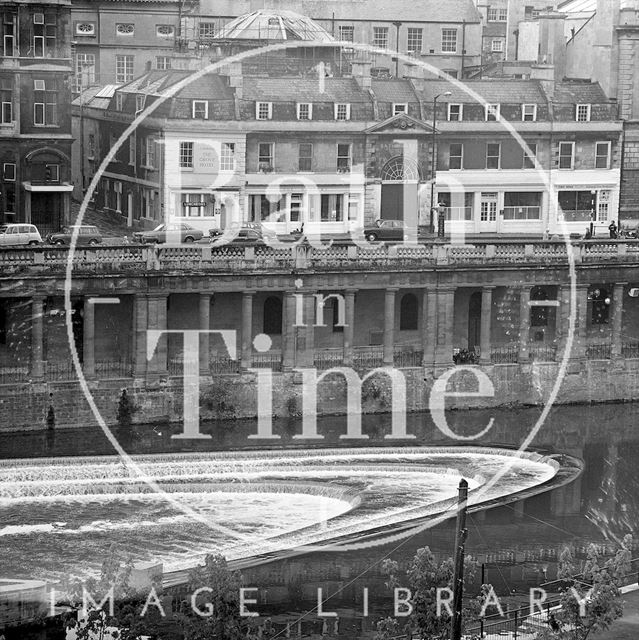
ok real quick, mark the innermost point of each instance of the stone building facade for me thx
(336, 154)
(35, 123)
(427, 310)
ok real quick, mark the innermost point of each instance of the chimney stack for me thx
(552, 42)
(361, 70)
(545, 74)
(236, 80)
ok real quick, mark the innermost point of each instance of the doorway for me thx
(474, 321)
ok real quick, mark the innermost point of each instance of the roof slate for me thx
(454, 11)
(304, 90)
(394, 90)
(501, 91)
(579, 93)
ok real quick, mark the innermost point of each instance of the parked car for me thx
(385, 230)
(176, 231)
(247, 233)
(87, 235)
(19, 234)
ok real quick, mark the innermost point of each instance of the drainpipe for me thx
(397, 26)
(463, 57)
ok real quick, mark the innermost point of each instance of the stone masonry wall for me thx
(24, 406)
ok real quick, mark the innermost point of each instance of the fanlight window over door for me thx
(400, 170)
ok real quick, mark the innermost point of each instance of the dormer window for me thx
(342, 111)
(455, 112)
(399, 107)
(119, 101)
(304, 111)
(583, 113)
(492, 112)
(140, 101)
(263, 110)
(200, 109)
(529, 112)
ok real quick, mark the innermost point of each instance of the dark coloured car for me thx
(87, 235)
(385, 230)
(246, 234)
(173, 232)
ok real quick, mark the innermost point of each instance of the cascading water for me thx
(60, 516)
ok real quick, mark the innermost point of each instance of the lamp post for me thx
(433, 160)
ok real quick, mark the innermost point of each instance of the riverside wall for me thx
(25, 406)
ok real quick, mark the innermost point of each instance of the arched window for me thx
(408, 314)
(600, 306)
(272, 323)
(539, 315)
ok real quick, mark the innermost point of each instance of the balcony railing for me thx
(285, 256)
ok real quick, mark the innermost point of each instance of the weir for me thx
(289, 500)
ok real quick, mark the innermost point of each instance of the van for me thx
(19, 234)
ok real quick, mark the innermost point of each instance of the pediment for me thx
(401, 123)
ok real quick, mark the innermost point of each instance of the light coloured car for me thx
(19, 234)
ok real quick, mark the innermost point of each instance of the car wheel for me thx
(188, 239)
(34, 243)
(59, 243)
(93, 242)
(371, 237)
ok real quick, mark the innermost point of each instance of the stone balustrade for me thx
(300, 257)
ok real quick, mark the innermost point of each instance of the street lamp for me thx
(433, 159)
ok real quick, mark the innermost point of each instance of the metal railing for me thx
(368, 357)
(63, 370)
(328, 358)
(11, 375)
(599, 351)
(505, 355)
(408, 358)
(220, 365)
(545, 353)
(111, 369)
(630, 350)
(272, 361)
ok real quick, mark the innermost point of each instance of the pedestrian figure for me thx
(552, 621)
(587, 235)
(612, 228)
